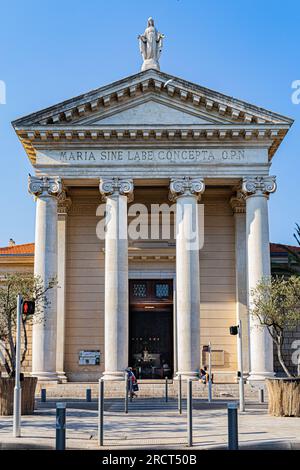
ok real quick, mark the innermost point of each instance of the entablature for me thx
(155, 107)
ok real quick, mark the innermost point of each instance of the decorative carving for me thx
(186, 186)
(259, 185)
(64, 203)
(238, 202)
(44, 186)
(151, 43)
(116, 187)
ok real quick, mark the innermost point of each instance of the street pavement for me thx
(151, 423)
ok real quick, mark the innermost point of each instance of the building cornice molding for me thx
(269, 136)
(74, 120)
(160, 83)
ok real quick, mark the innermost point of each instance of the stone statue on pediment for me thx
(151, 43)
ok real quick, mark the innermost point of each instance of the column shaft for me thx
(238, 204)
(45, 267)
(258, 264)
(62, 220)
(186, 191)
(116, 193)
(188, 291)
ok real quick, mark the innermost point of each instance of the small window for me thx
(139, 290)
(162, 291)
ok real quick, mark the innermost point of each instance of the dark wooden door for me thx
(151, 328)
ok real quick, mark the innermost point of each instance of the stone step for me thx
(146, 390)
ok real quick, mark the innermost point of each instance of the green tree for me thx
(31, 288)
(276, 304)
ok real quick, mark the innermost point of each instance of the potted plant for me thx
(31, 288)
(276, 304)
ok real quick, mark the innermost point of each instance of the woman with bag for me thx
(132, 382)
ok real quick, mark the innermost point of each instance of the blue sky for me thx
(54, 50)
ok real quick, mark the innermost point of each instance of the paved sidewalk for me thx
(151, 423)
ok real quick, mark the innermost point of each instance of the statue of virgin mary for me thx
(151, 43)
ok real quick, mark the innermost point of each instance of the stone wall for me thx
(84, 328)
(85, 279)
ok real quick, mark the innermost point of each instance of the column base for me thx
(117, 376)
(61, 377)
(45, 376)
(193, 375)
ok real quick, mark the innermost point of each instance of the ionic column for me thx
(238, 205)
(117, 193)
(46, 191)
(64, 204)
(257, 190)
(187, 191)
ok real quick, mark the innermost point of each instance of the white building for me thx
(152, 304)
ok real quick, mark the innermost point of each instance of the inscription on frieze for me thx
(147, 157)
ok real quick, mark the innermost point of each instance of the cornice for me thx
(73, 120)
(157, 82)
(268, 135)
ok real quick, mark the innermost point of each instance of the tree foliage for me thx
(31, 288)
(276, 304)
(294, 255)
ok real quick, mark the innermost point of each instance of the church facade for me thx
(114, 169)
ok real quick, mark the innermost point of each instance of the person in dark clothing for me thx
(132, 382)
(204, 375)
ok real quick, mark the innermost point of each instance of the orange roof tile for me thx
(25, 249)
(278, 248)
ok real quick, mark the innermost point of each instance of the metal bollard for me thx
(101, 412)
(179, 395)
(88, 395)
(60, 426)
(43, 395)
(190, 412)
(130, 389)
(126, 393)
(261, 397)
(209, 390)
(166, 389)
(233, 440)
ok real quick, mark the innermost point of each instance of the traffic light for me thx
(233, 330)
(28, 307)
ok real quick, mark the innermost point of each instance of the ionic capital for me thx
(186, 186)
(44, 186)
(116, 187)
(259, 185)
(238, 202)
(64, 203)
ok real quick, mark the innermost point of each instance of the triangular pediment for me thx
(148, 96)
(152, 105)
(149, 112)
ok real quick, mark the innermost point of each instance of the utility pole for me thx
(209, 374)
(18, 389)
(241, 378)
